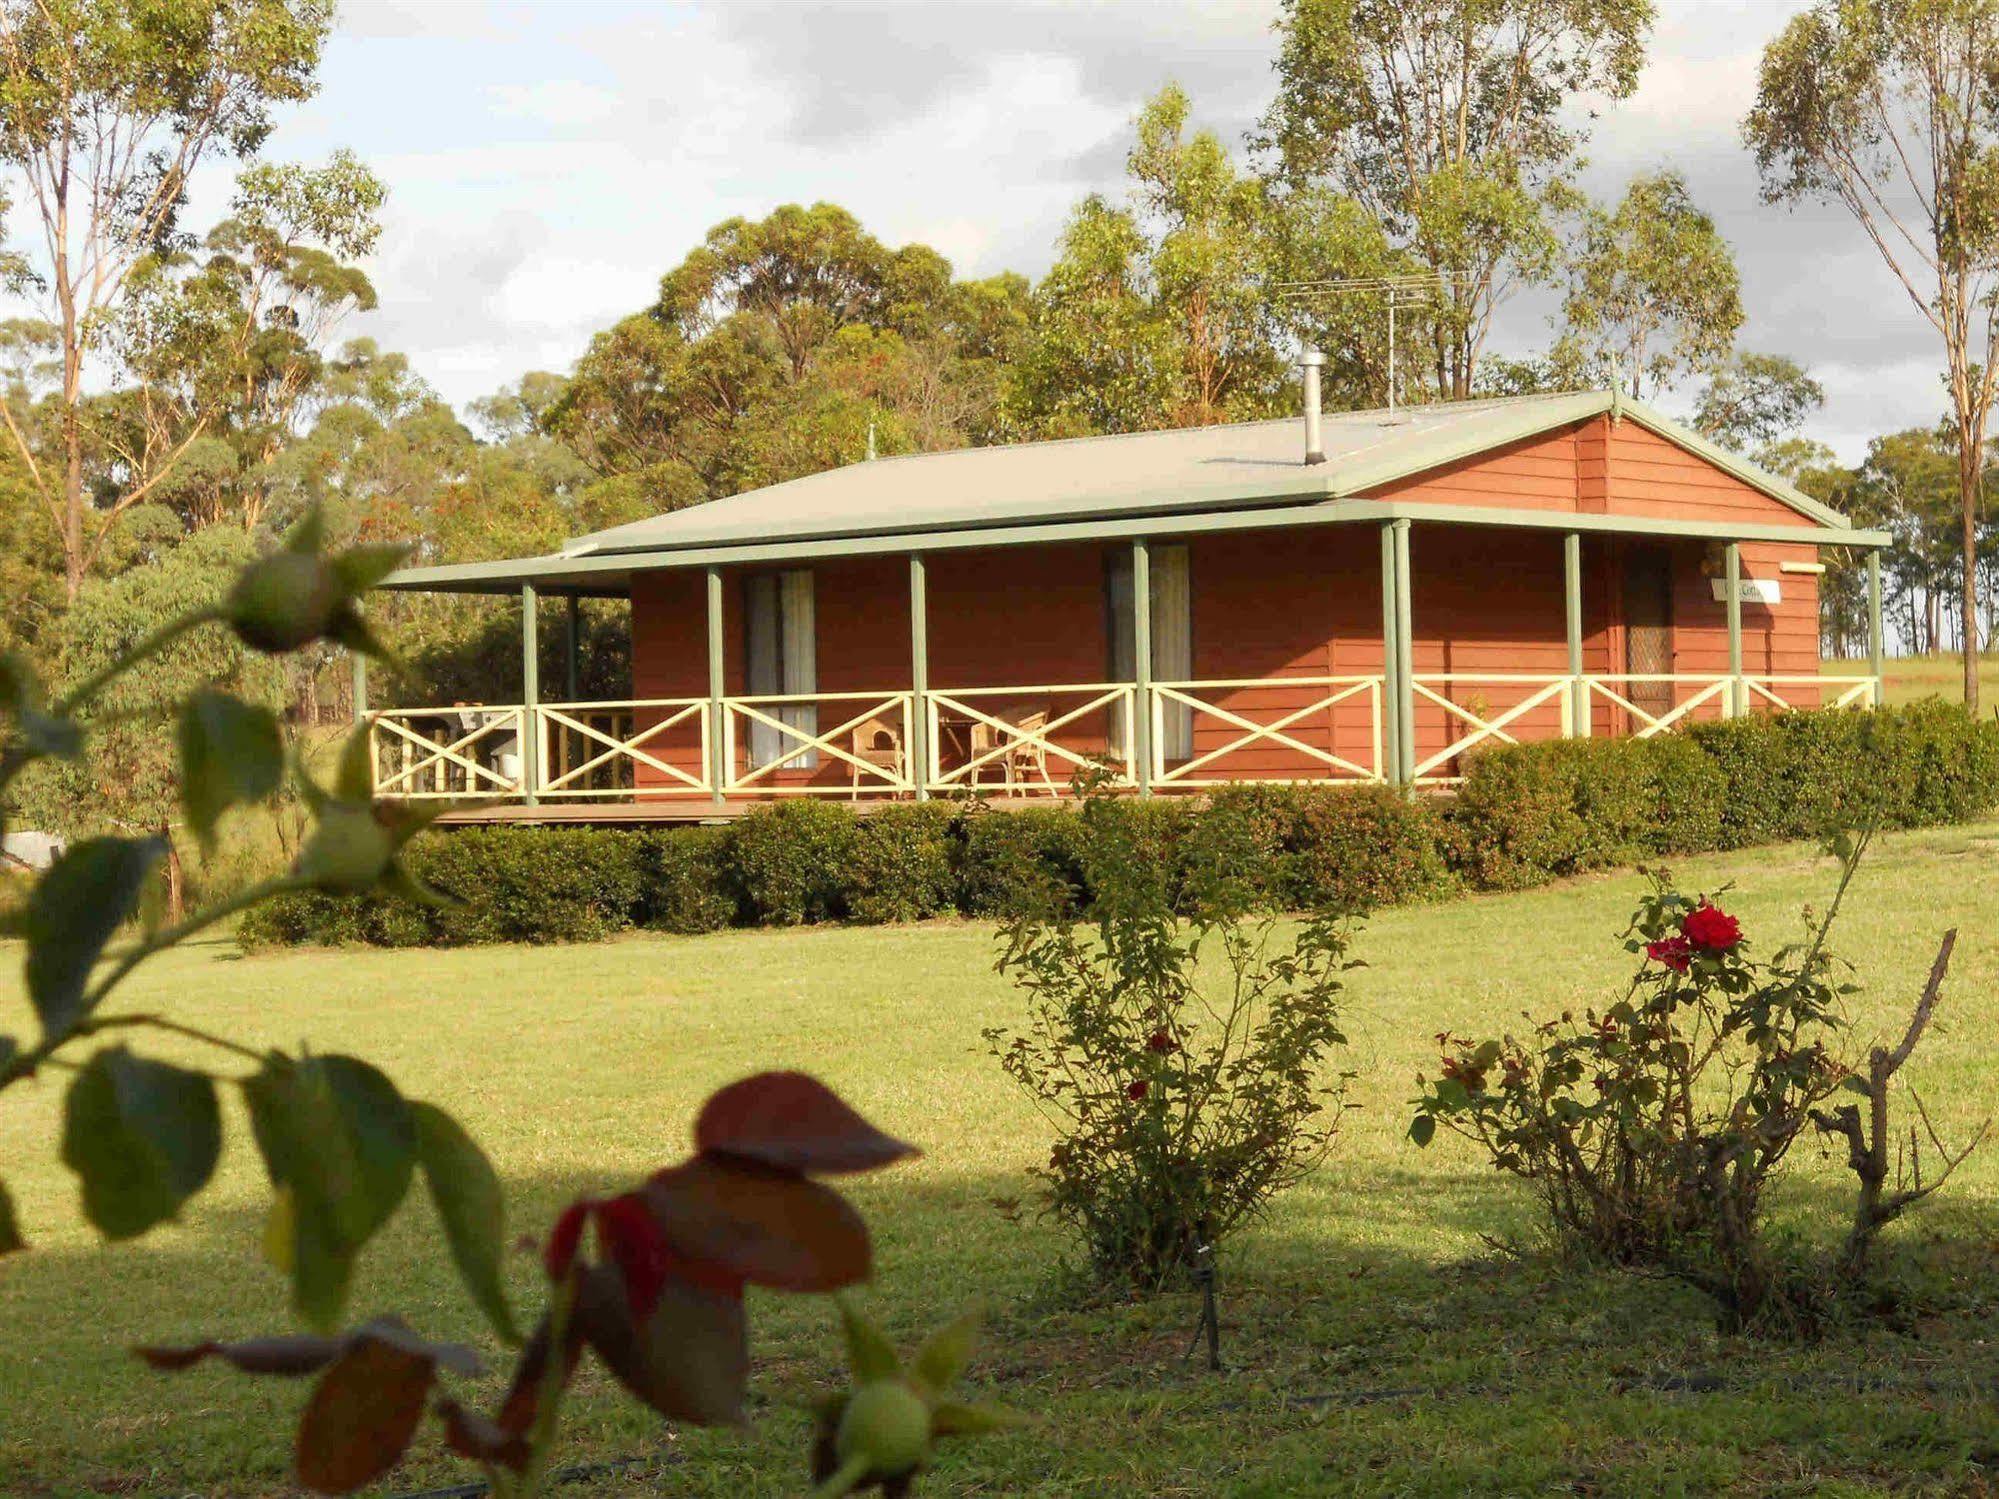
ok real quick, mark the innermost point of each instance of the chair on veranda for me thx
(877, 742)
(1021, 758)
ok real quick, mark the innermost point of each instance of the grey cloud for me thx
(864, 66)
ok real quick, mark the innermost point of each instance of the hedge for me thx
(1523, 815)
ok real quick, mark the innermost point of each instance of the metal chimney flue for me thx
(1312, 361)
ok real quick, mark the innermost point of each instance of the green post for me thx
(919, 675)
(1572, 597)
(358, 664)
(1736, 706)
(1141, 658)
(1391, 671)
(530, 691)
(717, 726)
(1405, 655)
(572, 658)
(1874, 621)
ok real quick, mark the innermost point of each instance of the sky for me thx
(547, 162)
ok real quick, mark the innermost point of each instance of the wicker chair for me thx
(877, 742)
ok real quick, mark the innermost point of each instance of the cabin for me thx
(1352, 597)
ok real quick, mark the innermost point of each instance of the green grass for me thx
(1904, 679)
(1374, 1343)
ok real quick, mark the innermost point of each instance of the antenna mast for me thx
(1413, 289)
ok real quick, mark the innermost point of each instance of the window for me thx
(783, 652)
(1172, 640)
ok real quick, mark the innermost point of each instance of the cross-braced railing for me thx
(1468, 725)
(458, 753)
(789, 723)
(1829, 690)
(1280, 732)
(598, 749)
(1620, 689)
(1007, 736)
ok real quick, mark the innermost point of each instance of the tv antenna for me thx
(1408, 290)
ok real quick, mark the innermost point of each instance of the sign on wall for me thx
(1751, 590)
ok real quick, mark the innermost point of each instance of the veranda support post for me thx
(1141, 658)
(358, 664)
(1874, 622)
(718, 773)
(1405, 656)
(572, 651)
(1736, 706)
(1391, 672)
(1572, 602)
(530, 734)
(919, 675)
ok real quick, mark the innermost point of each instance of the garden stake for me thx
(1211, 1322)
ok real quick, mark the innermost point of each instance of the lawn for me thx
(1374, 1343)
(1904, 679)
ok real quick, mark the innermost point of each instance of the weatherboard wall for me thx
(1282, 609)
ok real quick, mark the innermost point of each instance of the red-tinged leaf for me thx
(560, 1251)
(517, 1411)
(480, 1438)
(690, 1361)
(631, 1239)
(362, 1415)
(282, 1355)
(795, 1123)
(770, 1228)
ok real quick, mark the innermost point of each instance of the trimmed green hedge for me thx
(1523, 815)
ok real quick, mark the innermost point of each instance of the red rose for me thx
(1712, 928)
(1161, 1042)
(1677, 953)
(1136, 1091)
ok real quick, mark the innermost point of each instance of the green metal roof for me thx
(1246, 475)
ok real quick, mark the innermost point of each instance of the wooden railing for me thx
(1030, 741)
(791, 722)
(1006, 737)
(1277, 728)
(456, 753)
(1470, 724)
(601, 749)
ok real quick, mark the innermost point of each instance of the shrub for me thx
(1652, 1131)
(688, 883)
(904, 863)
(1183, 1100)
(1022, 861)
(790, 861)
(296, 918)
(530, 884)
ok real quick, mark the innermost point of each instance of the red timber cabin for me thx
(1363, 597)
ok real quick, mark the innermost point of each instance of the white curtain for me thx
(1172, 594)
(1173, 645)
(779, 640)
(800, 655)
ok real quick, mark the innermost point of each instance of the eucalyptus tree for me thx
(1159, 311)
(1653, 294)
(1887, 108)
(109, 110)
(1756, 402)
(1457, 125)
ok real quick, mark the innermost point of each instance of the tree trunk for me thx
(176, 883)
(1968, 460)
(72, 493)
